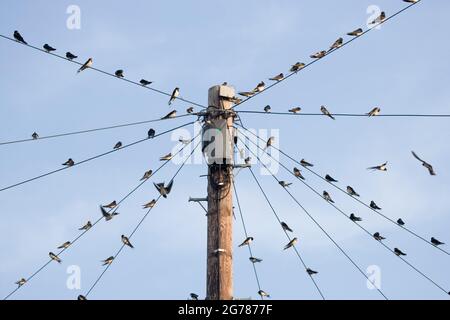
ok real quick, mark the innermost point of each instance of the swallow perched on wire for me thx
(295, 110)
(255, 260)
(290, 244)
(190, 110)
(330, 178)
(381, 167)
(126, 241)
(144, 82)
(269, 142)
(193, 296)
(374, 206)
(119, 73)
(86, 65)
(19, 37)
(149, 205)
(355, 218)
(248, 160)
(311, 271)
(69, 163)
(147, 175)
(374, 112)
(352, 191)
(81, 297)
(284, 184)
(108, 216)
(286, 227)
(380, 18)
(86, 227)
(337, 44)
(65, 245)
(171, 114)
(184, 141)
(166, 157)
(263, 294)
(411, 1)
(327, 197)
(175, 94)
(425, 164)
(298, 173)
(108, 260)
(278, 77)
(399, 252)
(111, 205)
(246, 94)
(436, 242)
(260, 87)
(35, 136)
(151, 133)
(377, 236)
(356, 33)
(118, 145)
(246, 242)
(48, 48)
(162, 189)
(318, 55)
(267, 108)
(70, 55)
(21, 282)
(297, 67)
(327, 113)
(54, 257)
(400, 222)
(305, 163)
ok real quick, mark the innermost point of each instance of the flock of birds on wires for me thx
(110, 210)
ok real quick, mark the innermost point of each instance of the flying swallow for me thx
(260, 87)
(298, 173)
(425, 164)
(166, 157)
(81, 297)
(65, 245)
(118, 145)
(246, 94)
(355, 218)
(18, 37)
(145, 82)
(380, 18)
(48, 48)
(290, 244)
(262, 293)
(21, 282)
(304, 163)
(311, 272)
(190, 110)
(327, 197)
(54, 257)
(297, 67)
(193, 296)
(325, 111)
(69, 163)
(400, 222)
(374, 112)
(373, 205)
(108, 261)
(267, 108)
(381, 167)
(171, 114)
(284, 184)
(149, 205)
(295, 110)
(162, 189)
(119, 73)
(246, 242)
(147, 175)
(255, 260)
(337, 44)
(377, 236)
(87, 226)
(70, 55)
(352, 191)
(355, 33)
(286, 227)
(318, 55)
(110, 205)
(126, 241)
(86, 65)
(330, 178)
(175, 94)
(151, 133)
(277, 77)
(399, 252)
(436, 242)
(108, 216)
(35, 136)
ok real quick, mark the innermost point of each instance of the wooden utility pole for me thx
(219, 125)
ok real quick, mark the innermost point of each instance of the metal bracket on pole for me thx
(205, 199)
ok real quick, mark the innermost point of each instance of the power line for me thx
(364, 115)
(102, 71)
(92, 158)
(356, 199)
(99, 219)
(315, 221)
(328, 53)
(139, 224)
(58, 135)
(348, 217)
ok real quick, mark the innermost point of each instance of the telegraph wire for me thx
(355, 115)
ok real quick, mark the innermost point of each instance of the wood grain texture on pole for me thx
(219, 278)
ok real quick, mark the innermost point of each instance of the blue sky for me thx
(403, 68)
